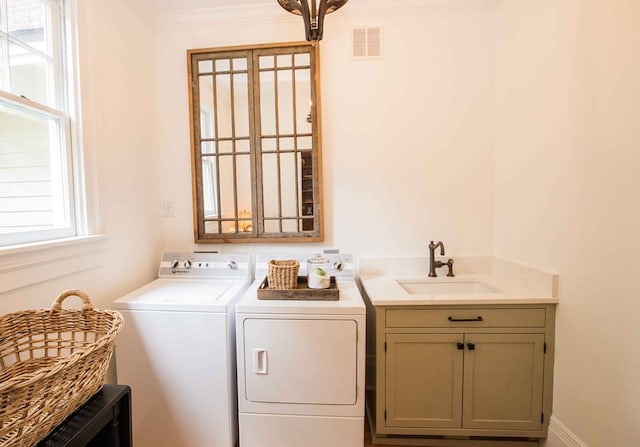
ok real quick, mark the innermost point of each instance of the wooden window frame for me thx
(309, 226)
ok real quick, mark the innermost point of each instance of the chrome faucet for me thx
(433, 264)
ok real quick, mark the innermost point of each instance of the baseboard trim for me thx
(568, 438)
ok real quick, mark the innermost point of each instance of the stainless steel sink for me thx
(435, 287)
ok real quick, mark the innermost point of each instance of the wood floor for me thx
(367, 436)
(369, 443)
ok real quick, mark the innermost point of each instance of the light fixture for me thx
(313, 15)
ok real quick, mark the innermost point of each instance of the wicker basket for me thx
(51, 362)
(283, 275)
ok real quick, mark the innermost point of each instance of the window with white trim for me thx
(36, 178)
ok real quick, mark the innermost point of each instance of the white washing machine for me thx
(177, 351)
(301, 365)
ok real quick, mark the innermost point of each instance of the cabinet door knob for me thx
(471, 346)
(460, 345)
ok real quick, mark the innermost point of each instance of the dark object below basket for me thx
(103, 421)
(301, 292)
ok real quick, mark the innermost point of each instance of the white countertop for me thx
(386, 290)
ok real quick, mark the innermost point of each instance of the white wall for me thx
(567, 172)
(406, 139)
(117, 99)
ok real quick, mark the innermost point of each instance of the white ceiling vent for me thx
(367, 43)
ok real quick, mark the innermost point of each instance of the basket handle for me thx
(57, 303)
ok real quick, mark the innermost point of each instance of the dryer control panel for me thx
(341, 263)
(204, 265)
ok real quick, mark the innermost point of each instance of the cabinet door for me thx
(503, 376)
(423, 380)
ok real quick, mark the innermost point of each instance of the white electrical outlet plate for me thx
(167, 209)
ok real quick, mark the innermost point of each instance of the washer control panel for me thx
(204, 265)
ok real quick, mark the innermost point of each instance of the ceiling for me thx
(163, 6)
(164, 12)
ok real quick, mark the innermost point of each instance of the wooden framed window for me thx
(255, 143)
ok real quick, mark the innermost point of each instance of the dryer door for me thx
(300, 361)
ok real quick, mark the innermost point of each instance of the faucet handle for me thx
(449, 264)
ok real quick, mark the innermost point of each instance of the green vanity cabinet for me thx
(463, 371)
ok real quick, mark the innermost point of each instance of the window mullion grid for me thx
(315, 150)
(295, 139)
(233, 142)
(256, 139)
(277, 111)
(217, 142)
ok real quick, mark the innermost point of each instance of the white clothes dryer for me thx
(177, 351)
(301, 365)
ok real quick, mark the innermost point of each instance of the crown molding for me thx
(366, 8)
(144, 12)
(224, 15)
(263, 13)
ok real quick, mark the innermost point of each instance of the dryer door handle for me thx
(260, 362)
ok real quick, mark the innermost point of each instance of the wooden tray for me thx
(301, 292)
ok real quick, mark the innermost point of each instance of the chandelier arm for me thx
(292, 6)
(322, 10)
(306, 16)
(334, 5)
